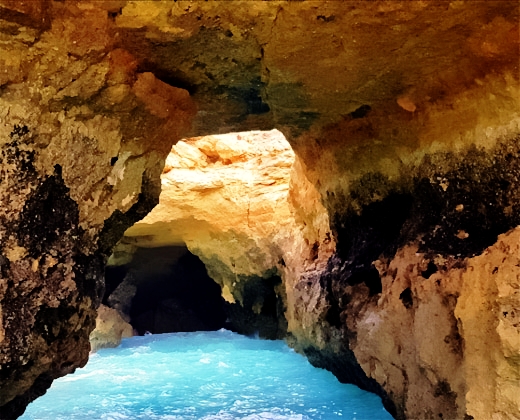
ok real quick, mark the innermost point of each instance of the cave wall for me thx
(82, 148)
(404, 117)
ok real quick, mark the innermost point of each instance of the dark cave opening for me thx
(165, 290)
(370, 277)
(168, 289)
(430, 269)
(407, 298)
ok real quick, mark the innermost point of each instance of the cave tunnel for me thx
(226, 196)
(165, 290)
(405, 119)
(236, 218)
(168, 289)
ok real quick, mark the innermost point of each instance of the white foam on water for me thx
(202, 376)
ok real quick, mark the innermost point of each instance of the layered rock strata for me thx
(404, 117)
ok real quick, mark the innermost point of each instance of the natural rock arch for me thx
(402, 113)
(235, 201)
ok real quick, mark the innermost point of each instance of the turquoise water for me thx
(206, 375)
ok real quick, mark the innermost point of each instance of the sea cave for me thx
(341, 175)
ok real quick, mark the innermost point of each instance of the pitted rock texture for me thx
(404, 118)
(404, 268)
(443, 325)
(81, 151)
(234, 200)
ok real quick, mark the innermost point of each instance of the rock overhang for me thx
(408, 104)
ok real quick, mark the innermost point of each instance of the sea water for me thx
(204, 375)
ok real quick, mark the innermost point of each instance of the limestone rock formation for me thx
(82, 148)
(405, 121)
(463, 342)
(110, 329)
(236, 200)
(227, 197)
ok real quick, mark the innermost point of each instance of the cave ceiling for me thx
(404, 117)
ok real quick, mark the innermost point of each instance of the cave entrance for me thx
(165, 289)
(209, 256)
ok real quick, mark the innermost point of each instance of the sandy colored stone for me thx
(488, 309)
(449, 333)
(397, 112)
(110, 329)
(75, 173)
(230, 199)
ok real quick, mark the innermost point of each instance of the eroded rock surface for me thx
(405, 120)
(110, 329)
(81, 152)
(236, 200)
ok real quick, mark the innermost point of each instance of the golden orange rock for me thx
(110, 329)
(232, 199)
(404, 119)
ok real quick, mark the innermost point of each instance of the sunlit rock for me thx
(404, 118)
(237, 202)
